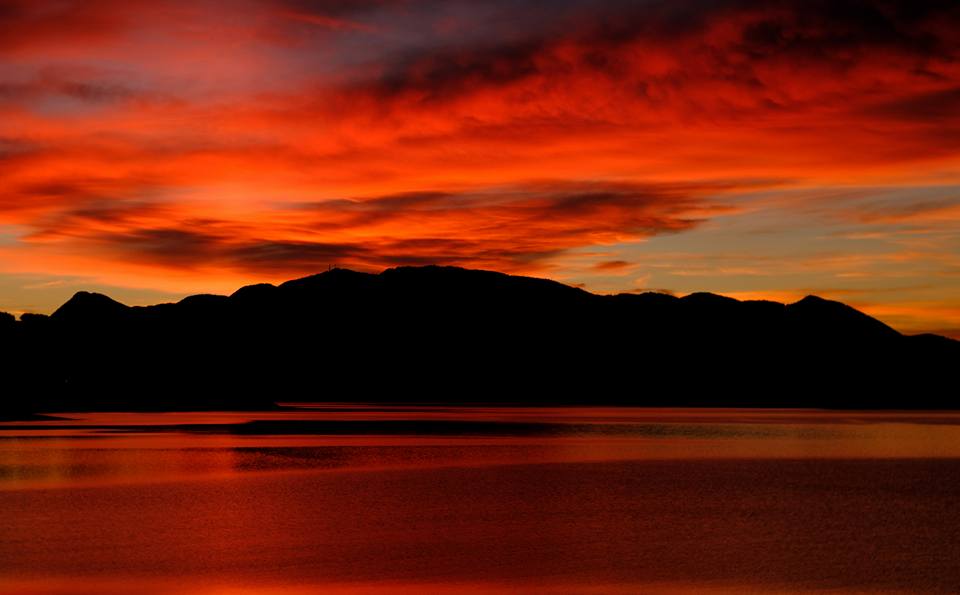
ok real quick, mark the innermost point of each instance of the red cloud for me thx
(507, 229)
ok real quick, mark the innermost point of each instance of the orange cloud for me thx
(508, 228)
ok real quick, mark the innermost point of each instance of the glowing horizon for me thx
(152, 150)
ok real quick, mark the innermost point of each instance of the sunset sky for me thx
(150, 149)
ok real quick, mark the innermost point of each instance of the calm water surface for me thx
(359, 499)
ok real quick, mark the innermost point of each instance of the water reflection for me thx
(352, 499)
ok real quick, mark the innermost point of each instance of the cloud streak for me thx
(516, 229)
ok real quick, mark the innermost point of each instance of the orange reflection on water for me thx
(589, 500)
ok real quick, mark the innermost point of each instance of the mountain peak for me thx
(85, 306)
(326, 278)
(817, 314)
(813, 300)
(705, 297)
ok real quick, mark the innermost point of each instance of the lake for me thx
(432, 499)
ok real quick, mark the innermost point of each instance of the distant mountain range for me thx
(455, 335)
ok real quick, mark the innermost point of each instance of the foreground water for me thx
(361, 499)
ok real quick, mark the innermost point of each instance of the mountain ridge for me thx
(86, 297)
(452, 334)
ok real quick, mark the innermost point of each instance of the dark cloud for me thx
(189, 248)
(545, 212)
(96, 92)
(821, 28)
(338, 7)
(285, 255)
(89, 92)
(30, 23)
(733, 42)
(64, 199)
(936, 106)
(930, 209)
(611, 265)
(172, 247)
(448, 74)
(113, 211)
(11, 148)
(507, 229)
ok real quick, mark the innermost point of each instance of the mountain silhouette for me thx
(89, 307)
(456, 335)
